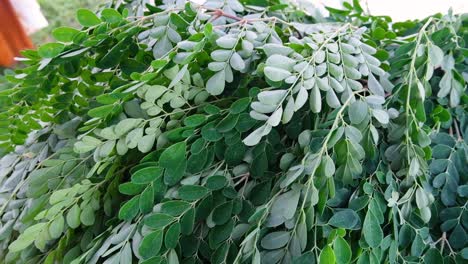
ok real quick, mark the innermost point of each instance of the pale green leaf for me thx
(275, 240)
(215, 85)
(276, 74)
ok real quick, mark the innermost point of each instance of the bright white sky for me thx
(401, 10)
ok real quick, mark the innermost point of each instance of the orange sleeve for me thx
(13, 37)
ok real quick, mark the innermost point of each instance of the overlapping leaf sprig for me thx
(237, 132)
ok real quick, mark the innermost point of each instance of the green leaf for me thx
(226, 42)
(195, 120)
(115, 54)
(87, 18)
(342, 250)
(73, 216)
(174, 161)
(414, 167)
(158, 220)
(375, 87)
(174, 208)
(276, 74)
(110, 15)
(327, 255)
(275, 240)
(228, 123)
(222, 213)
(87, 216)
(192, 192)
(436, 55)
(433, 256)
(381, 116)
(445, 85)
(178, 21)
(130, 209)
(151, 244)
(172, 258)
(210, 133)
(56, 227)
(315, 100)
(58, 196)
(220, 233)
(421, 198)
(147, 199)
(281, 62)
(328, 166)
(211, 109)
(215, 85)
(64, 34)
(26, 238)
(216, 182)
(236, 61)
(220, 57)
(357, 112)
(147, 175)
(346, 218)
(273, 48)
(306, 258)
(378, 33)
(101, 111)
(275, 118)
(208, 30)
(146, 143)
(373, 233)
(50, 50)
(254, 138)
(130, 188)
(417, 246)
(464, 253)
(235, 153)
(187, 222)
(458, 237)
(172, 235)
(364, 258)
(286, 204)
(239, 106)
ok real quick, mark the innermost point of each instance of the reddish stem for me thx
(219, 13)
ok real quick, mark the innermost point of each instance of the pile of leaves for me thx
(237, 132)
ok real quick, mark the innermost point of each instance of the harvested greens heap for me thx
(237, 132)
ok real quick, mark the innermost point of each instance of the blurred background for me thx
(60, 13)
(29, 23)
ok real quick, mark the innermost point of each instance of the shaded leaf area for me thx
(237, 132)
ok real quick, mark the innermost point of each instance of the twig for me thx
(457, 130)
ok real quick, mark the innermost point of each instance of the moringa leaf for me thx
(174, 162)
(192, 192)
(215, 85)
(87, 18)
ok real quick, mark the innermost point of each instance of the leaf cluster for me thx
(237, 132)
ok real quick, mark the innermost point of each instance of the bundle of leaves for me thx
(237, 132)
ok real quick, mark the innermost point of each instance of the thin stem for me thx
(412, 72)
(457, 130)
(338, 118)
